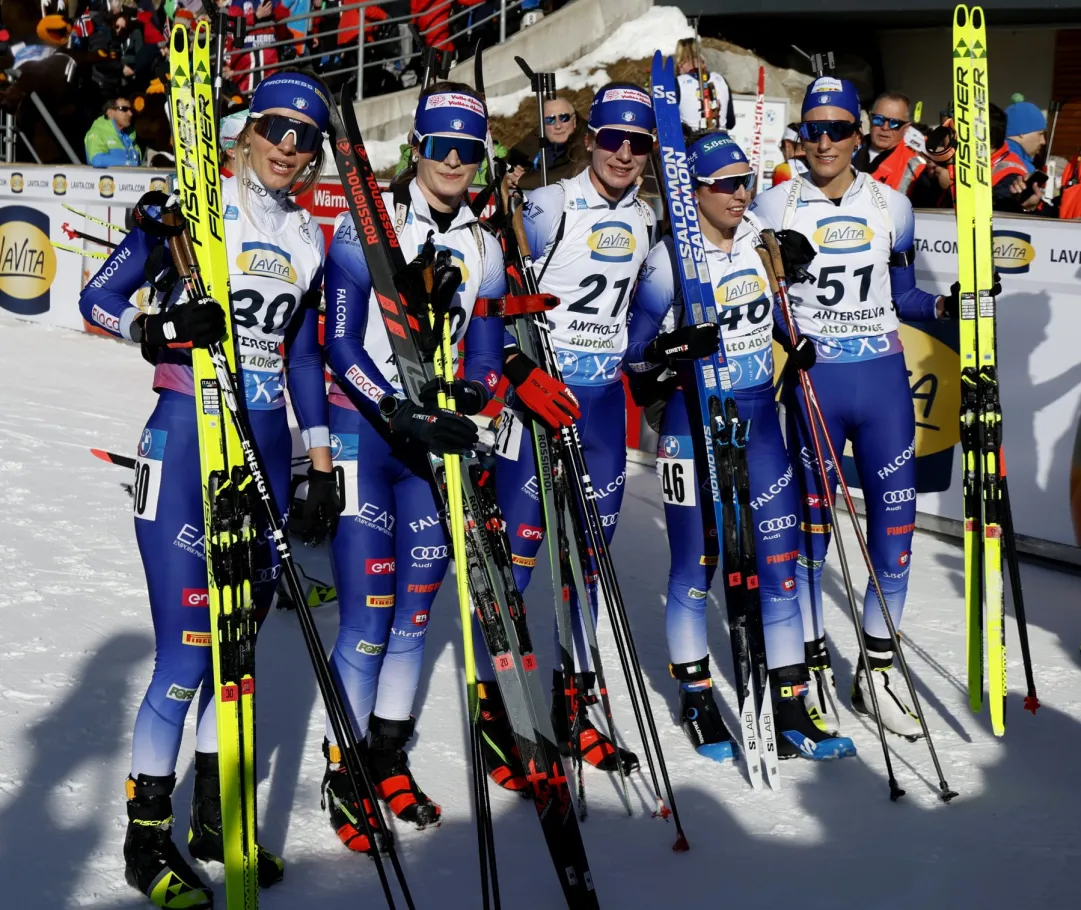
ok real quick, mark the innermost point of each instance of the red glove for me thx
(544, 395)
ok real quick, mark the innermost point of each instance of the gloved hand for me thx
(470, 396)
(544, 395)
(688, 342)
(441, 430)
(951, 303)
(802, 355)
(796, 253)
(198, 323)
(322, 508)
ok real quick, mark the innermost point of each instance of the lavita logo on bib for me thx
(612, 241)
(843, 234)
(744, 286)
(27, 260)
(267, 260)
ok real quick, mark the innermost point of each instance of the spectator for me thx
(432, 19)
(692, 73)
(251, 62)
(885, 156)
(1011, 191)
(1026, 132)
(483, 28)
(792, 150)
(110, 141)
(565, 155)
(934, 189)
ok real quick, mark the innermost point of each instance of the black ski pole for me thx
(543, 85)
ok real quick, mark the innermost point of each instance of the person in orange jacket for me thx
(885, 156)
(432, 19)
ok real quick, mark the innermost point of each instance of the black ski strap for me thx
(150, 225)
(555, 244)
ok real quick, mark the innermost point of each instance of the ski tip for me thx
(102, 454)
(681, 845)
(960, 16)
(1032, 703)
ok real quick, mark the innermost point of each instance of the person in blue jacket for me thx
(275, 254)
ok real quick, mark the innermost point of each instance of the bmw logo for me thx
(823, 99)
(670, 446)
(828, 348)
(628, 116)
(568, 362)
(457, 124)
(145, 443)
(335, 447)
(301, 104)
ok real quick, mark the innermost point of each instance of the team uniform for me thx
(861, 281)
(390, 552)
(690, 101)
(745, 315)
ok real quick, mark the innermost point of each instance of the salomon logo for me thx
(892, 497)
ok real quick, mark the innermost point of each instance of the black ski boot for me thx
(502, 760)
(800, 735)
(822, 691)
(340, 800)
(595, 748)
(391, 777)
(152, 863)
(204, 838)
(698, 712)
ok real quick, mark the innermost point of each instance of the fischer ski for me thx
(725, 440)
(496, 601)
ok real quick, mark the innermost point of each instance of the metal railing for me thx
(410, 39)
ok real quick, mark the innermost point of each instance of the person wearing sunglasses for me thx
(850, 242)
(662, 341)
(565, 151)
(588, 236)
(276, 273)
(110, 141)
(886, 155)
(391, 548)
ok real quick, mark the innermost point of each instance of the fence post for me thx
(502, 21)
(360, 54)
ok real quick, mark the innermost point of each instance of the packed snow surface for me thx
(76, 652)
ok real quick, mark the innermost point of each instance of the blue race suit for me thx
(275, 272)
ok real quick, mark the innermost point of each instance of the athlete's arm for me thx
(104, 301)
(304, 375)
(484, 339)
(652, 302)
(348, 287)
(912, 303)
(540, 217)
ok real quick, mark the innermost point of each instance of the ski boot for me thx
(595, 748)
(897, 716)
(698, 712)
(391, 777)
(800, 735)
(204, 837)
(502, 760)
(340, 800)
(152, 863)
(822, 690)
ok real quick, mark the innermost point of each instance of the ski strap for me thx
(513, 305)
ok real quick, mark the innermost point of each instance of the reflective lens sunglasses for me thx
(892, 122)
(728, 185)
(837, 130)
(550, 119)
(438, 148)
(275, 127)
(611, 139)
(123, 109)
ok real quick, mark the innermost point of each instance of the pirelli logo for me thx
(528, 561)
(379, 600)
(196, 639)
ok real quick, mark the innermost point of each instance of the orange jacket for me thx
(434, 15)
(898, 167)
(1005, 164)
(350, 23)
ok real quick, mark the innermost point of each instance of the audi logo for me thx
(777, 524)
(429, 552)
(892, 497)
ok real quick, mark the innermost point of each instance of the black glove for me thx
(324, 505)
(796, 254)
(198, 323)
(689, 342)
(802, 355)
(951, 303)
(470, 396)
(439, 429)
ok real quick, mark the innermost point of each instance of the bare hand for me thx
(265, 8)
(129, 72)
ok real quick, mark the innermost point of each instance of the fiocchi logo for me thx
(27, 260)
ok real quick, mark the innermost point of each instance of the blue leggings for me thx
(169, 528)
(603, 431)
(692, 541)
(390, 554)
(869, 404)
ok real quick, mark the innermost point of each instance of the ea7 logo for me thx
(195, 597)
(529, 532)
(379, 566)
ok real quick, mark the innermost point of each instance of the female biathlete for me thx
(276, 274)
(390, 550)
(848, 302)
(588, 236)
(724, 183)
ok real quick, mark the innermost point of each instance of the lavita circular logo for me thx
(27, 260)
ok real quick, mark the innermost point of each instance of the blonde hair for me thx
(686, 52)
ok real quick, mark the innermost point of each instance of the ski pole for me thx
(1032, 701)
(543, 85)
(814, 411)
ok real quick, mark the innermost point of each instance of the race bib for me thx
(148, 473)
(343, 453)
(675, 469)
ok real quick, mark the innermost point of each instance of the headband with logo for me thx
(710, 153)
(829, 91)
(451, 113)
(621, 106)
(293, 91)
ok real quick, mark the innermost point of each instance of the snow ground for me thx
(76, 644)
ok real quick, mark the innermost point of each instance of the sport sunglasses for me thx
(728, 185)
(611, 139)
(550, 119)
(438, 148)
(892, 122)
(275, 127)
(837, 130)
